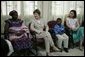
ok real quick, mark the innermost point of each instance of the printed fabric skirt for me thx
(22, 43)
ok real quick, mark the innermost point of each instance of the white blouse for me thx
(71, 22)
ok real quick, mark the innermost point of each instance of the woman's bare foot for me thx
(48, 54)
(56, 49)
(81, 48)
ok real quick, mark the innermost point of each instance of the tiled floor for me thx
(72, 52)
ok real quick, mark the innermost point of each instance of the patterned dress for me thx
(19, 34)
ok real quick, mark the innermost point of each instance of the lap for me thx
(59, 36)
(43, 35)
(63, 36)
(78, 34)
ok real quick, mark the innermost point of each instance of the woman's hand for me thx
(20, 32)
(11, 30)
(72, 27)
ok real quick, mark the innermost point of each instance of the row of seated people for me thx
(20, 37)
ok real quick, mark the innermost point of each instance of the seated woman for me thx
(59, 32)
(17, 32)
(38, 25)
(73, 25)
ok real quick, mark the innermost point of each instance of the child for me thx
(59, 32)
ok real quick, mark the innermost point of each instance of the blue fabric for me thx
(59, 29)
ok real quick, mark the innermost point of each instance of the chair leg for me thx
(36, 49)
(71, 44)
(36, 46)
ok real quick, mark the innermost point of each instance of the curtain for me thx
(50, 10)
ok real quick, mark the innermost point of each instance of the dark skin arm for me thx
(6, 28)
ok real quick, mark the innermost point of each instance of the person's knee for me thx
(46, 39)
(66, 37)
(60, 39)
(48, 34)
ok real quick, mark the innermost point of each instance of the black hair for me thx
(75, 14)
(12, 12)
(59, 19)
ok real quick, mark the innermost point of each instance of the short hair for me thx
(59, 19)
(37, 11)
(12, 12)
(75, 14)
